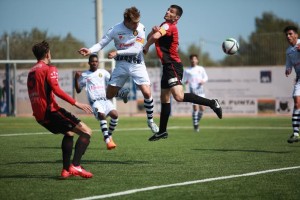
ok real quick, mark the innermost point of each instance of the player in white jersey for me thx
(129, 38)
(293, 61)
(95, 80)
(195, 76)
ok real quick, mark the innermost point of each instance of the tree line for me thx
(265, 46)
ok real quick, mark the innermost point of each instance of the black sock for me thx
(164, 117)
(67, 147)
(192, 98)
(81, 145)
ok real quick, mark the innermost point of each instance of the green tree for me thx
(20, 44)
(204, 58)
(266, 45)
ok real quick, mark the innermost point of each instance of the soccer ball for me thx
(230, 46)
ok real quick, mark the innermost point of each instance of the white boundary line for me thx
(186, 183)
(24, 134)
(171, 127)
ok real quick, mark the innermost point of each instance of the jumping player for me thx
(129, 37)
(293, 60)
(42, 84)
(94, 80)
(166, 42)
(195, 76)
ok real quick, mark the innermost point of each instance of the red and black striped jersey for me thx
(167, 45)
(42, 84)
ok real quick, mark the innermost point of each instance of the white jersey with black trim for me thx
(293, 58)
(94, 83)
(127, 42)
(194, 75)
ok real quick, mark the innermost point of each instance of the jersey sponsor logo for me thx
(96, 87)
(140, 40)
(121, 36)
(54, 75)
(122, 45)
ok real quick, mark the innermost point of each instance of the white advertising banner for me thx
(65, 82)
(240, 90)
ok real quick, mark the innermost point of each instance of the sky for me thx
(207, 22)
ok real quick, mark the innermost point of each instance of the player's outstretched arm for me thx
(85, 107)
(84, 51)
(112, 54)
(151, 40)
(154, 30)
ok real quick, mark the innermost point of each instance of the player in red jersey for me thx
(42, 84)
(166, 42)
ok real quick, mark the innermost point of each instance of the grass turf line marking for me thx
(171, 127)
(186, 183)
(24, 134)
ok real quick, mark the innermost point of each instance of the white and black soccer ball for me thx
(230, 46)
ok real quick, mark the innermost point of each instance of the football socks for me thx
(82, 143)
(192, 98)
(164, 116)
(67, 147)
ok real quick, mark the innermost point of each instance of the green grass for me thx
(30, 164)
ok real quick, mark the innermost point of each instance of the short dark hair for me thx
(40, 49)
(178, 8)
(93, 56)
(193, 55)
(288, 28)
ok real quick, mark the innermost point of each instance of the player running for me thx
(42, 84)
(129, 38)
(195, 76)
(293, 60)
(94, 80)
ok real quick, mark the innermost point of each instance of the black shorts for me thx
(60, 121)
(172, 75)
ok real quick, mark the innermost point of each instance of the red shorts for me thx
(60, 121)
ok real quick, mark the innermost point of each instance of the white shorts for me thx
(124, 70)
(296, 91)
(102, 106)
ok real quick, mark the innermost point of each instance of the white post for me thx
(99, 27)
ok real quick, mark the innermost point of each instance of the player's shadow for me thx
(35, 176)
(56, 147)
(118, 162)
(28, 176)
(39, 177)
(243, 150)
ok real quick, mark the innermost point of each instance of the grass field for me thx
(31, 161)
